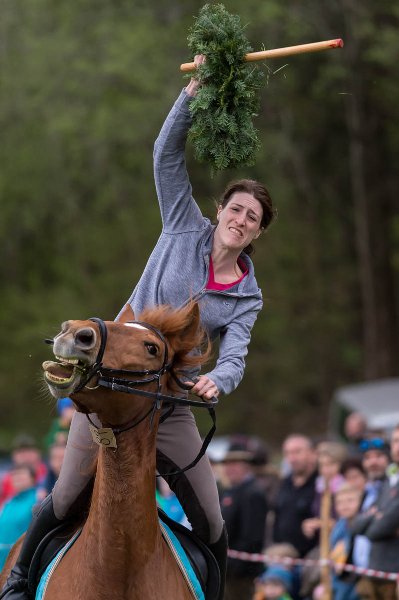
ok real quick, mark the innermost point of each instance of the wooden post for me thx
(325, 529)
(281, 52)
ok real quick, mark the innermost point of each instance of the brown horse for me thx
(120, 552)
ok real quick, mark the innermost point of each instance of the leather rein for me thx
(117, 380)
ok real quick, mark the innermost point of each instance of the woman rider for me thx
(192, 259)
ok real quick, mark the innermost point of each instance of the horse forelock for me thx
(182, 329)
(167, 319)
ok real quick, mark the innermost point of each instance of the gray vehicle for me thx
(377, 401)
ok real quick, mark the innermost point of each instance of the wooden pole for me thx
(325, 529)
(281, 52)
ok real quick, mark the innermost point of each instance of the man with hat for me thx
(380, 521)
(375, 460)
(244, 509)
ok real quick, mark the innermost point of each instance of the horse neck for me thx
(123, 507)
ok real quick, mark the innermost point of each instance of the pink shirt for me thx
(214, 285)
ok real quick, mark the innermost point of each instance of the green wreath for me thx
(223, 110)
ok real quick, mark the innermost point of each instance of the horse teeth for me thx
(71, 361)
(55, 379)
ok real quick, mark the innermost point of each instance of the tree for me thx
(85, 88)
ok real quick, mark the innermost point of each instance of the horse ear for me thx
(126, 315)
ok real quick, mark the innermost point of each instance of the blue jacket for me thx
(178, 267)
(344, 586)
(15, 518)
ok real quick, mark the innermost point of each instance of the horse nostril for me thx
(85, 338)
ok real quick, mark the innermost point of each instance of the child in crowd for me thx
(347, 503)
(25, 451)
(353, 472)
(55, 459)
(280, 579)
(168, 502)
(274, 584)
(58, 432)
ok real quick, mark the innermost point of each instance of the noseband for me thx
(118, 381)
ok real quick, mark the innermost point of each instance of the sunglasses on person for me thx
(373, 444)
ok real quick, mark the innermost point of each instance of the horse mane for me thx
(181, 327)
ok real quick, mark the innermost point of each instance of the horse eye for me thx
(152, 349)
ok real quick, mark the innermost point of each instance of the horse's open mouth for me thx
(63, 372)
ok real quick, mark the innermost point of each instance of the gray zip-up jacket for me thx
(178, 267)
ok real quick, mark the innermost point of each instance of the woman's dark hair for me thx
(259, 192)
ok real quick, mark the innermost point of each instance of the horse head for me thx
(87, 353)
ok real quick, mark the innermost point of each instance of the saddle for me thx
(201, 559)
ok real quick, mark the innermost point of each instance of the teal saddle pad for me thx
(170, 538)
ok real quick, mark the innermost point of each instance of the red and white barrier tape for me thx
(264, 558)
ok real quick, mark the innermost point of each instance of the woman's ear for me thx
(257, 234)
(220, 208)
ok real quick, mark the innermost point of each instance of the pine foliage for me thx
(223, 133)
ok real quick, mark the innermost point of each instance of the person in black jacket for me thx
(244, 509)
(296, 494)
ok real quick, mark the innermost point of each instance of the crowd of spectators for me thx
(270, 507)
(360, 480)
(33, 470)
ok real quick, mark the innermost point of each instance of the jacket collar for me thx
(248, 286)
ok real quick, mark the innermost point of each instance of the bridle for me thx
(117, 380)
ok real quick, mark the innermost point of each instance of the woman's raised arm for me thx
(179, 210)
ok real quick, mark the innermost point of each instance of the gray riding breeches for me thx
(178, 443)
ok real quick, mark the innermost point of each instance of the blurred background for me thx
(85, 87)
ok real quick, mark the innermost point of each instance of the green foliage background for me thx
(85, 87)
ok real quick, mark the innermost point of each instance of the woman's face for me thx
(239, 222)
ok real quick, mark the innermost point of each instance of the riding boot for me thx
(219, 550)
(16, 587)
